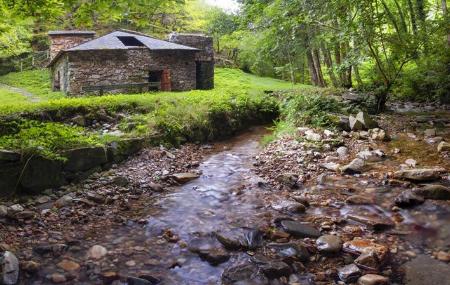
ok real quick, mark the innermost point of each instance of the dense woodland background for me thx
(398, 47)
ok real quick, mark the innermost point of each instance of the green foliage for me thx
(46, 139)
(311, 109)
(9, 97)
(37, 82)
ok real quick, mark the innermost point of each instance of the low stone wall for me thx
(34, 174)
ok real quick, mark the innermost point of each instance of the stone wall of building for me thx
(94, 68)
(66, 40)
(204, 58)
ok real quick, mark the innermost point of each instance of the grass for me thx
(8, 97)
(163, 118)
(37, 82)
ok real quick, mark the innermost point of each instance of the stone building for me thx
(129, 62)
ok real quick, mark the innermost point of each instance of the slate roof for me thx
(72, 32)
(111, 42)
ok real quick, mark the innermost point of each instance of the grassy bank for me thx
(170, 117)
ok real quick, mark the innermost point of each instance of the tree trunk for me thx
(445, 14)
(318, 67)
(329, 64)
(312, 68)
(412, 14)
(358, 76)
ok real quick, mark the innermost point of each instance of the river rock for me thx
(434, 192)
(185, 177)
(299, 229)
(372, 220)
(95, 197)
(3, 211)
(349, 273)
(373, 279)
(408, 199)
(288, 179)
(240, 238)
(30, 266)
(290, 251)
(9, 265)
(368, 261)
(333, 166)
(371, 156)
(210, 250)
(244, 273)
(329, 244)
(97, 252)
(355, 124)
(359, 200)
(430, 132)
(16, 208)
(289, 206)
(54, 249)
(411, 162)
(64, 201)
(120, 181)
(358, 246)
(354, 167)
(68, 265)
(378, 134)
(342, 152)
(366, 120)
(25, 215)
(312, 136)
(425, 174)
(443, 146)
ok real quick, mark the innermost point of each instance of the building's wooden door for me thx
(166, 84)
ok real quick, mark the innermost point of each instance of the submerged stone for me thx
(244, 273)
(408, 199)
(185, 177)
(329, 244)
(240, 238)
(349, 273)
(290, 251)
(299, 229)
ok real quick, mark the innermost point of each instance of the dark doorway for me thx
(205, 75)
(154, 76)
(57, 82)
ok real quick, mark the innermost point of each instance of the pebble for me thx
(58, 278)
(299, 229)
(354, 167)
(349, 273)
(329, 244)
(68, 265)
(97, 252)
(373, 279)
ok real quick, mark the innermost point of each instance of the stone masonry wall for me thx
(63, 42)
(199, 41)
(93, 68)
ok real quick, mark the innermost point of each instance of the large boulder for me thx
(120, 150)
(83, 159)
(425, 174)
(362, 121)
(434, 192)
(9, 268)
(42, 173)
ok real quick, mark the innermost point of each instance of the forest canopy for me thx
(381, 46)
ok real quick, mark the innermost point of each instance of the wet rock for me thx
(288, 179)
(272, 269)
(9, 265)
(359, 200)
(426, 270)
(312, 136)
(329, 244)
(331, 166)
(64, 201)
(342, 152)
(373, 279)
(290, 251)
(3, 211)
(240, 238)
(97, 252)
(58, 278)
(419, 174)
(243, 274)
(68, 265)
(31, 267)
(359, 246)
(372, 220)
(139, 281)
(430, 132)
(54, 249)
(368, 260)
(25, 215)
(289, 206)
(97, 198)
(443, 146)
(354, 167)
(434, 192)
(349, 273)
(16, 208)
(209, 250)
(185, 177)
(120, 181)
(408, 199)
(300, 230)
(371, 156)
